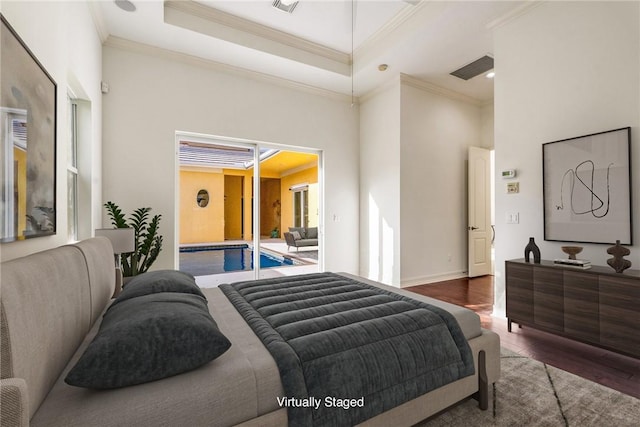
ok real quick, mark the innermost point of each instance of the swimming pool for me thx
(204, 260)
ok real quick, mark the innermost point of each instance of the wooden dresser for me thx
(597, 306)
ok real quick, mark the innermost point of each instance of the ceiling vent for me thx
(285, 5)
(476, 68)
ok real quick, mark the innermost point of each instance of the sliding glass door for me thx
(239, 200)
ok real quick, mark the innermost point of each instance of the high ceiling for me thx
(314, 45)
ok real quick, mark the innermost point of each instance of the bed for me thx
(243, 386)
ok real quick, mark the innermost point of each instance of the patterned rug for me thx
(532, 393)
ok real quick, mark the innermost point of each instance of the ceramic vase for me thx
(532, 248)
(618, 263)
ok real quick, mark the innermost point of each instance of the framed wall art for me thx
(587, 188)
(28, 141)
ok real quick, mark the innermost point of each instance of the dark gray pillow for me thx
(312, 233)
(301, 230)
(153, 282)
(148, 338)
(296, 235)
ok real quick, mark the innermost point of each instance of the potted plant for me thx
(148, 242)
(275, 231)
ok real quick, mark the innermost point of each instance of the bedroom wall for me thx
(155, 93)
(436, 132)
(63, 37)
(380, 185)
(486, 125)
(413, 153)
(564, 69)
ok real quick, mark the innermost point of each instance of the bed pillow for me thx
(148, 338)
(153, 282)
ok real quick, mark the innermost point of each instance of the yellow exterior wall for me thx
(307, 176)
(248, 206)
(209, 224)
(20, 158)
(197, 224)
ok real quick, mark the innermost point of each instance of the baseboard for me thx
(433, 279)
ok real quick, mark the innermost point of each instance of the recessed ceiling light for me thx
(490, 74)
(125, 5)
(285, 5)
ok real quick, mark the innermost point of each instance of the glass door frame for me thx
(256, 146)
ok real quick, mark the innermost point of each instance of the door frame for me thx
(256, 146)
(484, 231)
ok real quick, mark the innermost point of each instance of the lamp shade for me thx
(122, 239)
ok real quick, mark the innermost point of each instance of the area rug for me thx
(532, 393)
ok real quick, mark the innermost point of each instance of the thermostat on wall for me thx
(509, 173)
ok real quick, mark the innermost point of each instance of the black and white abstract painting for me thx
(587, 188)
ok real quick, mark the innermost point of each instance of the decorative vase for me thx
(532, 247)
(572, 251)
(618, 263)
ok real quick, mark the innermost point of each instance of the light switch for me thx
(513, 217)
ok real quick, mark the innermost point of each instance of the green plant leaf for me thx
(148, 242)
(115, 213)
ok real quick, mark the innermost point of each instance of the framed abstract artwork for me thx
(28, 141)
(587, 188)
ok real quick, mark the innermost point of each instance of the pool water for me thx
(204, 260)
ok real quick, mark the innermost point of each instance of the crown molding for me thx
(225, 26)
(514, 14)
(438, 90)
(486, 103)
(98, 20)
(386, 85)
(141, 48)
(405, 21)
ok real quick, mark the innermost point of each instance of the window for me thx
(300, 206)
(13, 169)
(72, 172)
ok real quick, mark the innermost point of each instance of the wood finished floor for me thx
(610, 369)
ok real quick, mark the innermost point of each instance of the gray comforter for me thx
(348, 351)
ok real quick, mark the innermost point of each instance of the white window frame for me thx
(8, 115)
(72, 171)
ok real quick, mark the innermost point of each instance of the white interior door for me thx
(479, 225)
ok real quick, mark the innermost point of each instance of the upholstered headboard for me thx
(48, 302)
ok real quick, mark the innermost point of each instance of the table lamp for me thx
(123, 241)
